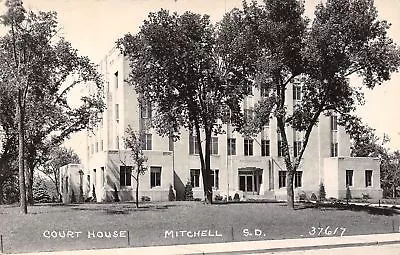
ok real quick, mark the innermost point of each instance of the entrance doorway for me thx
(250, 180)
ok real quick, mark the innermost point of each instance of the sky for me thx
(93, 26)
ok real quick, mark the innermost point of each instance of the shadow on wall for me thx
(179, 187)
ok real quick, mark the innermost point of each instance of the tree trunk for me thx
(290, 190)
(29, 181)
(207, 174)
(137, 189)
(21, 168)
(57, 187)
(1, 194)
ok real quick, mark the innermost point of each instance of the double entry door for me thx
(250, 181)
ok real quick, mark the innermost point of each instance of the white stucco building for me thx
(249, 167)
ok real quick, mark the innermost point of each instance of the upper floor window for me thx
(231, 146)
(145, 110)
(147, 142)
(296, 92)
(265, 148)
(248, 147)
(194, 147)
(334, 123)
(280, 148)
(248, 114)
(214, 145)
(297, 146)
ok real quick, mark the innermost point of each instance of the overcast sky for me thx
(92, 26)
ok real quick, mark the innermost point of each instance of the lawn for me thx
(176, 223)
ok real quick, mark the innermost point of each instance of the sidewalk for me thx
(249, 247)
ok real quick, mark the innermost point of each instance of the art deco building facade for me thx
(249, 167)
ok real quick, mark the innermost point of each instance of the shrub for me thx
(145, 199)
(94, 194)
(236, 197)
(230, 198)
(188, 195)
(171, 194)
(40, 193)
(218, 198)
(116, 197)
(313, 197)
(322, 193)
(302, 196)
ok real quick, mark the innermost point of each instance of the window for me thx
(249, 90)
(265, 148)
(66, 184)
(248, 114)
(117, 112)
(155, 176)
(231, 146)
(195, 177)
(334, 149)
(215, 178)
(116, 79)
(297, 145)
(125, 173)
(280, 148)
(333, 123)
(101, 145)
(282, 179)
(298, 179)
(214, 145)
(248, 147)
(368, 178)
(117, 142)
(146, 145)
(349, 178)
(193, 145)
(145, 110)
(97, 146)
(296, 92)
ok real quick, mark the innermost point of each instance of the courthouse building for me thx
(250, 167)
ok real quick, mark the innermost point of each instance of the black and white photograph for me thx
(200, 127)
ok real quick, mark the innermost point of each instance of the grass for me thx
(147, 225)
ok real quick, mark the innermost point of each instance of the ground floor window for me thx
(215, 178)
(298, 176)
(349, 178)
(155, 176)
(282, 179)
(195, 177)
(368, 178)
(125, 173)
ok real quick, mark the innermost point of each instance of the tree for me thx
(345, 38)
(41, 68)
(176, 68)
(58, 157)
(134, 141)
